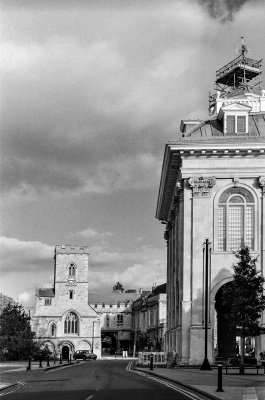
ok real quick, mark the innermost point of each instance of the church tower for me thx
(71, 273)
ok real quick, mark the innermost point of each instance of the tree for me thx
(118, 287)
(16, 337)
(245, 296)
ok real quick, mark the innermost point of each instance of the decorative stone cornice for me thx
(262, 184)
(201, 187)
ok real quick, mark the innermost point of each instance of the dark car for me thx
(84, 355)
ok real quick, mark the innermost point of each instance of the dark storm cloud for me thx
(224, 9)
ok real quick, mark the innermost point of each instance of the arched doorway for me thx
(65, 352)
(226, 329)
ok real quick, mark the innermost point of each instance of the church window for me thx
(72, 268)
(71, 323)
(71, 294)
(48, 302)
(120, 319)
(236, 220)
(53, 329)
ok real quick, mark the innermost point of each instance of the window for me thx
(48, 302)
(71, 323)
(120, 319)
(236, 220)
(119, 304)
(241, 124)
(72, 268)
(53, 329)
(230, 124)
(71, 294)
(236, 124)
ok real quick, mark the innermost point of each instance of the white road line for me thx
(89, 397)
(189, 394)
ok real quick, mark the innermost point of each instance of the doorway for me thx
(226, 329)
(65, 353)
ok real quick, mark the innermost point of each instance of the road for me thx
(97, 380)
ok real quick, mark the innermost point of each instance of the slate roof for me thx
(48, 292)
(159, 289)
(214, 128)
(112, 297)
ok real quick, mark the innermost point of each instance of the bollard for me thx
(29, 366)
(61, 359)
(48, 360)
(220, 378)
(70, 360)
(54, 359)
(151, 362)
(241, 369)
(40, 366)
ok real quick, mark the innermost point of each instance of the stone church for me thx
(213, 187)
(64, 321)
(70, 317)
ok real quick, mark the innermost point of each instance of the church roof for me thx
(214, 128)
(47, 292)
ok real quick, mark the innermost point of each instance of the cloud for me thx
(92, 234)
(133, 270)
(24, 257)
(224, 9)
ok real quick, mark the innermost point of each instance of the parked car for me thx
(84, 355)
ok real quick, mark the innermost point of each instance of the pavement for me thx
(249, 386)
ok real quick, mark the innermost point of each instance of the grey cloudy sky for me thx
(91, 91)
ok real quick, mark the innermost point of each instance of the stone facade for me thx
(149, 320)
(64, 321)
(212, 186)
(115, 313)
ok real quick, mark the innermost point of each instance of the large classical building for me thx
(212, 187)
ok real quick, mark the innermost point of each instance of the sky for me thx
(90, 93)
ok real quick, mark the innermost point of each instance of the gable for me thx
(236, 107)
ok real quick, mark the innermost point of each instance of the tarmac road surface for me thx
(97, 380)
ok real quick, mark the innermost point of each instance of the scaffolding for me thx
(243, 74)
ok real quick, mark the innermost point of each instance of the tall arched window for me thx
(236, 220)
(71, 323)
(72, 268)
(53, 329)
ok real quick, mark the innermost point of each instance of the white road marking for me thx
(89, 397)
(189, 394)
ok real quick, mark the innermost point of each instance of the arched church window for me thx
(53, 329)
(72, 269)
(236, 220)
(71, 323)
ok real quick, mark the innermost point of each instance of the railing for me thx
(238, 61)
(158, 360)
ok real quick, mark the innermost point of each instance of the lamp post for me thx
(206, 250)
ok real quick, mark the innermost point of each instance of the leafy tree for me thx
(16, 337)
(245, 296)
(118, 287)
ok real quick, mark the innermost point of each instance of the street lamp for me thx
(206, 257)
